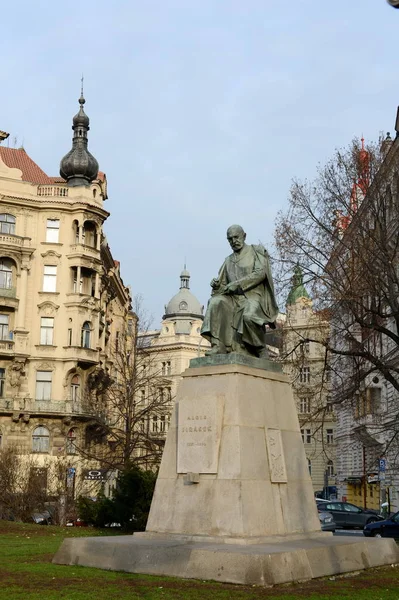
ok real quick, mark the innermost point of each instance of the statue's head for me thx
(236, 237)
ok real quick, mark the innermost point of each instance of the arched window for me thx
(310, 466)
(75, 388)
(330, 468)
(41, 439)
(5, 273)
(89, 234)
(75, 229)
(7, 223)
(86, 331)
(71, 440)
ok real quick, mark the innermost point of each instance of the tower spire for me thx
(185, 278)
(79, 167)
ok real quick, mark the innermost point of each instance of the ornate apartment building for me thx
(171, 348)
(304, 361)
(62, 300)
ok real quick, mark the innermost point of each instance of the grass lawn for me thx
(26, 573)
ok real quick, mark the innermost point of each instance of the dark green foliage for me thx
(99, 512)
(129, 506)
(132, 498)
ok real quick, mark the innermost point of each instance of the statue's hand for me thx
(215, 283)
(232, 288)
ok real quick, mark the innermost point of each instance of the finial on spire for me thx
(81, 99)
(362, 140)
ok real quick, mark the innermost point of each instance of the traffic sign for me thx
(382, 465)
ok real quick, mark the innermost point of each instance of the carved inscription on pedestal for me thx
(198, 435)
(278, 473)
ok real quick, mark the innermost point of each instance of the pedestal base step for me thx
(264, 564)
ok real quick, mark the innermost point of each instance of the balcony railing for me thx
(52, 190)
(85, 250)
(13, 240)
(6, 346)
(8, 292)
(369, 419)
(49, 407)
(82, 354)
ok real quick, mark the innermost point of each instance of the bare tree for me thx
(130, 403)
(341, 229)
(28, 486)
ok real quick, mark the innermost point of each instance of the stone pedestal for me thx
(234, 463)
(233, 500)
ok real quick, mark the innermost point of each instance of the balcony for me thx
(6, 347)
(44, 407)
(56, 191)
(82, 355)
(8, 297)
(8, 292)
(14, 241)
(84, 251)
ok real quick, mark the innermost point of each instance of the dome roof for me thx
(78, 166)
(184, 303)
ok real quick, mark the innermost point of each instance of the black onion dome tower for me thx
(79, 167)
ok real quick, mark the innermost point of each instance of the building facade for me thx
(62, 300)
(171, 348)
(367, 447)
(304, 361)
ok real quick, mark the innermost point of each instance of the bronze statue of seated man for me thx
(242, 302)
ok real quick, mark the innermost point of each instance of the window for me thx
(329, 405)
(7, 224)
(166, 368)
(310, 466)
(304, 374)
(117, 341)
(305, 347)
(70, 445)
(2, 382)
(162, 424)
(69, 337)
(4, 327)
(5, 274)
(77, 287)
(330, 468)
(85, 338)
(46, 331)
(53, 229)
(154, 424)
(306, 436)
(329, 436)
(304, 405)
(41, 439)
(75, 388)
(43, 385)
(50, 279)
(142, 396)
(328, 374)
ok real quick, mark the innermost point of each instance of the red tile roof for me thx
(17, 158)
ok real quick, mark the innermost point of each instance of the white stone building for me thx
(304, 361)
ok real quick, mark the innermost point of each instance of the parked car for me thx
(386, 528)
(76, 523)
(327, 521)
(42, 518)
(348, 515)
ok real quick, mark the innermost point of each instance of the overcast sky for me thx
(201, 111)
